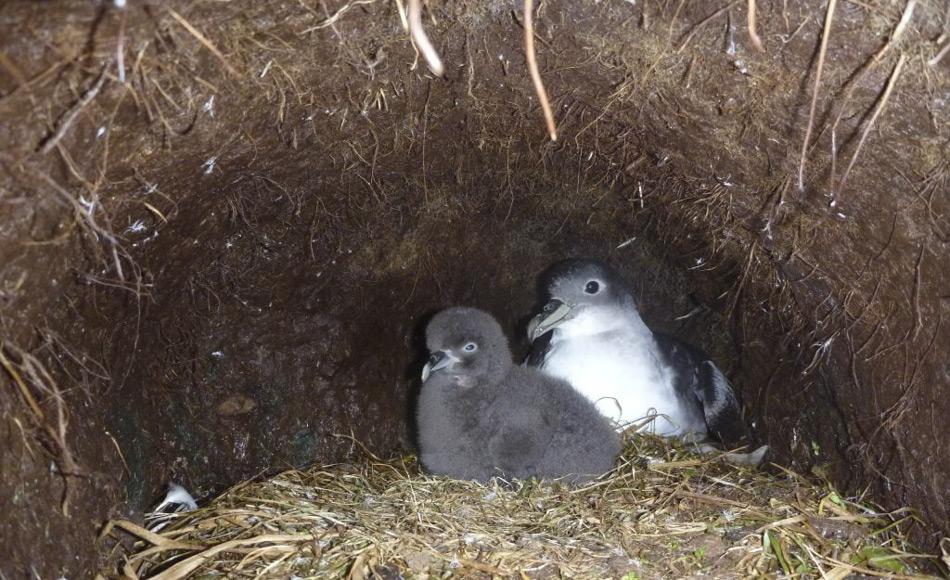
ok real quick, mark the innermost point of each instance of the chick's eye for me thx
(592, 287)
(470, 347)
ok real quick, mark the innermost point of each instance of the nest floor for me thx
(662, 513)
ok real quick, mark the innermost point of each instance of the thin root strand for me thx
(533, 69)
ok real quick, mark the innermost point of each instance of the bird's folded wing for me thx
(540, 348)
(708, 384)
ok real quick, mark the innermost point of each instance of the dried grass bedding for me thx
(662, 513)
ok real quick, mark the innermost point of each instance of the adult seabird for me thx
(590, 334)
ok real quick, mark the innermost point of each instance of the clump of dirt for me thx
(222, 226)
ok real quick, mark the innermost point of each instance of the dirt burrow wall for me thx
(216, 268)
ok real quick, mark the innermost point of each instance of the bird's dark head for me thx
(574, 289)
(468, 345)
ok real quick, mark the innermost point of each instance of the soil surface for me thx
(216, 257)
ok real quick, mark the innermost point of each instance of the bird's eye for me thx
(592, 287)
(470, 347)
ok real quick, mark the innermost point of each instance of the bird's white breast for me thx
(621, 373)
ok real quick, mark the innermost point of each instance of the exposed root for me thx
(742, 280)
(899, 29)
(753, 35)
(856, 81)
(66, 121)
(204, 41)
(8, 65)
(877, 112)
(533, 68)
(829, 17)
(689, 36)
(84, 211)
(676, 15)
(933, 185)
(421, 40)
(915, 301)
(894, 416)
(24, 390)
(55, 430)
(939, 56)
(120, 42)
(331, 20)
(401, 8)
(86, 363)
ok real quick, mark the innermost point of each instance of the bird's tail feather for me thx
(721, 407)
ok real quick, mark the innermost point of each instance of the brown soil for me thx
(273, 223)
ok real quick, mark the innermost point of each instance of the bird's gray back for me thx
(578, 441)
(452, 429)
(527, 425)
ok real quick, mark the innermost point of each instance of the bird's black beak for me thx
(438, 360)
(554, 313)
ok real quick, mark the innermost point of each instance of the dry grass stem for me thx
(662, 513)
(532, 59)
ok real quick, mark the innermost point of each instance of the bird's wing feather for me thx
(708, 385)
(540, 348)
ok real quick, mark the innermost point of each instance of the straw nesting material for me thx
(662, 513)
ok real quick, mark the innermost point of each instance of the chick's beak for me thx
(438, 360)
(555, 312)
